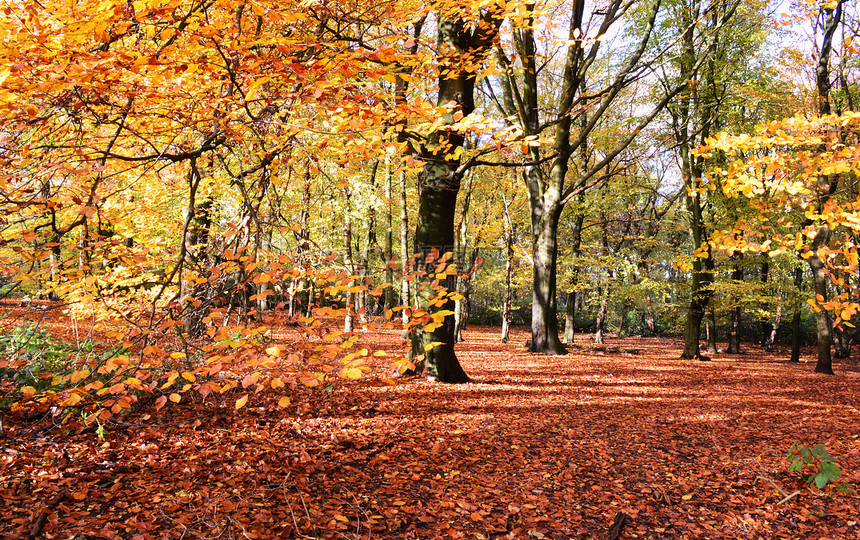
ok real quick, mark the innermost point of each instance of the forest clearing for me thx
(536, 446)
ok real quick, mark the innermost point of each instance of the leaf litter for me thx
(594, 444)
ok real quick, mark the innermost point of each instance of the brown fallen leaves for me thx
(536, 447)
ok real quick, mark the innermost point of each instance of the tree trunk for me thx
(711, 331)
(827, 187)
(570, 318)
(405, 256)
(622, 314)
(439, 183)
(764, 323)
(509, 269)
(774, 328)
(600, 322)
(388, 248)
(348, 262)
(576, 249)
(461, 305)
(735, 323)
(544, 307)
(822, 316)
(650, 319)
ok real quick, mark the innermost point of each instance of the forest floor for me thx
(536, 447)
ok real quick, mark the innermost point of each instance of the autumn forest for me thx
(429, 269)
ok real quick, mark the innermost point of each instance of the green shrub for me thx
(816, 461)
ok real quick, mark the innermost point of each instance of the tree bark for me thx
(795, 318)
(735, 323)
(711, 331)
(544, 304)
(439, 183)
(509, 268)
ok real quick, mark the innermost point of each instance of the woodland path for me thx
(535, 447)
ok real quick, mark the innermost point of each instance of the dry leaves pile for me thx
(535, 447)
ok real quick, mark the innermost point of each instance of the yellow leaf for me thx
(241, 401)
(350, 373)
(273, 351)
(28, 390)
(175, 398)
(686, 497)
(277, 383)
(432, 345)
(177, 355)
(284, 401)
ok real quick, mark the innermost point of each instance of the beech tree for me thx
(586, 90)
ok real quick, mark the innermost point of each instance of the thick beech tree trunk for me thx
(439, 183)
(544, 305)
(827, 187)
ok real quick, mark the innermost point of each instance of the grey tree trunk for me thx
(348, 261)
(405, 256)
(509, 268)
(774, 328)
(544, 304)
(710, 331)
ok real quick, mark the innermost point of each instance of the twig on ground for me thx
(39, 524)
(617, 524)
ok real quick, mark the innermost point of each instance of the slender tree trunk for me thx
(832, 15)
(622, 314)
(570, 318)
(774, 328)
(405, 256)
(509, 269)
(388, 249)
(348, 262)
(822, 316)
(711, 331)
(796, 316)
(650, 319)
(764, 323)
(600, 322)
(576, 249)
(461, 311)
(735, 323)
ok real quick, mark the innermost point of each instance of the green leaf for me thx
(821, 480)
(831, 470)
